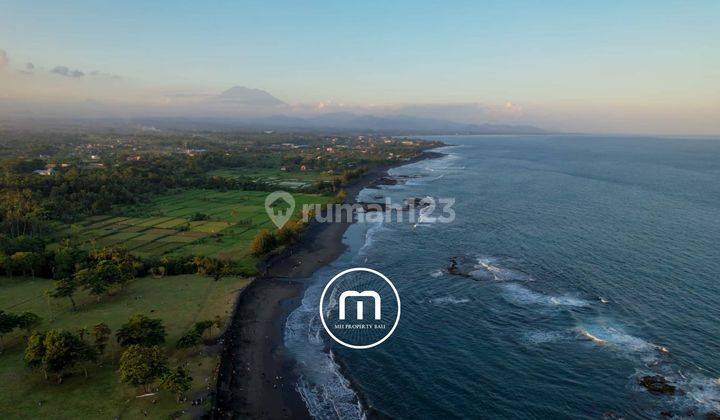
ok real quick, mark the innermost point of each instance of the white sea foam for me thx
(326, 393)
(449, 300)
(540, 337)
(700, 393)
(521, 294)
(373, 230)
(619, 340)
(422, 180)
(488, 268)
(437, 273)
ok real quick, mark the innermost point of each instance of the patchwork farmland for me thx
(167, 225)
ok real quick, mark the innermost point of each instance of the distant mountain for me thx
(248, 108)
(247, 97)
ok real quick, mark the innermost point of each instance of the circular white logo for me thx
(360, 326)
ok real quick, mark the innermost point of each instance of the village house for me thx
(45, 172)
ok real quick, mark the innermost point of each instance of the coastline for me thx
(257, 376)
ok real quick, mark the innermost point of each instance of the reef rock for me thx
(657, 384)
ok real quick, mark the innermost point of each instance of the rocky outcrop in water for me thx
(458, 268)
(419, 202)
(657, 384)
(384, 181)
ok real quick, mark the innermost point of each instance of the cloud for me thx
(4, 59)
(29, 69)
(64, 71)
(513, 108)
(103, 75)
(457, 112)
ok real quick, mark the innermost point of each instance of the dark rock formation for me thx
(384, 181)
(657, 384)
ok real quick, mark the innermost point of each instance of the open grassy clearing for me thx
(179, 301)
(163, 227)
(293, 179)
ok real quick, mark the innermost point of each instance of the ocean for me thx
(589, 262)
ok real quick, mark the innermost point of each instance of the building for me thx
(45, 172)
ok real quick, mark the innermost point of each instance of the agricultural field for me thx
(165, 226)
(290, 180)
(179, 301)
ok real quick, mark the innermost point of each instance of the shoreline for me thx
(257, 377)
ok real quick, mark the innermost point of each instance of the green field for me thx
(162, 227)
(179, 301)
(292, 180)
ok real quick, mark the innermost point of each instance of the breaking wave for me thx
(696, 392)
(487, 268)
(521, 294)
(372, 231)
(325, 391)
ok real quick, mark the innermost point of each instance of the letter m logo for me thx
(367, 293)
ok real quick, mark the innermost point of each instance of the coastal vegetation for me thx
(122, 255)
(179, 301)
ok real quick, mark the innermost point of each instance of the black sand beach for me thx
(257, 377)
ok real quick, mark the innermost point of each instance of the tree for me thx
(28, 321)
(8, 322)
(222, 269)
(66, 260)
(141, 330)
(190, 339)
(158, 271)
(263, 243)
(210, 266)
(26, 262)
(35, 351)
(177, 381)
(61, 350)
(6, 264)
(289, 233)
(202, 264)
(140, 365)
(106, 273)
(65, 288)
(111, 260)
(202, 326)
(91, 282)
(110, 273)
(101, 335)
(217, 268)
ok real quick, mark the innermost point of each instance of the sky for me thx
(615, 66)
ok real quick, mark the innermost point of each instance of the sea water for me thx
(593, 261)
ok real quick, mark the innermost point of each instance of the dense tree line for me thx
(28, 199)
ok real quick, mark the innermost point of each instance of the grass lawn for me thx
(162, 227)
(179, 301)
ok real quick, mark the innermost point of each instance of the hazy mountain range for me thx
(242, 107)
